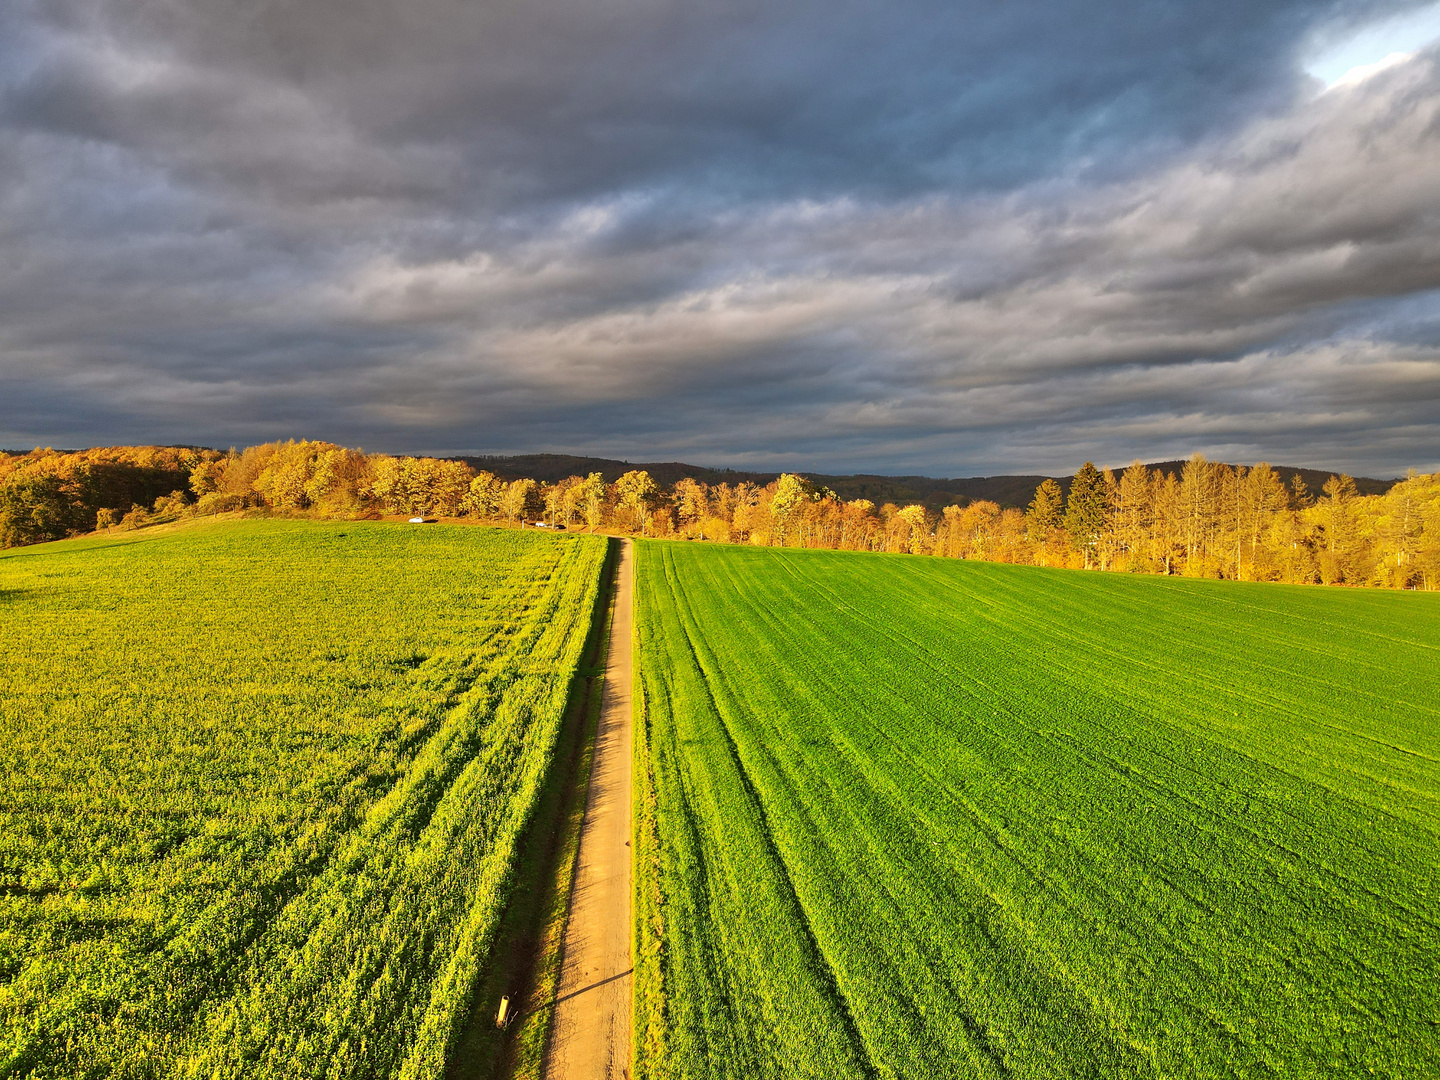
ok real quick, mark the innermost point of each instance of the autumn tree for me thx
(1402, 530)
(1167, 533)
(553, 497)
(1197, 511)
(308, 475)
(172, 505)
(856, 525)
(635, 497)
(517, 500)
(744, 500)
(572, 490)
(787, 505)
(977, 524)
(47, 494)
(1341, 559)
(951, 540)
(281, 482)
(692, 503)
(1213, 519)
(1263, 501)
(420, 486)
(35, 509)
(1134, 514)
(1009, 541)
(206, 476)
(590, 499)
(914, 520)
(339, 476)
(1416, 502)
(482, 498)
(1300, 497)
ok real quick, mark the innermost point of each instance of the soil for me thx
(590, 1037)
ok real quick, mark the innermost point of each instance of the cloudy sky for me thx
(903, 236)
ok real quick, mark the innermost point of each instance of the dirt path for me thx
(591, 1034)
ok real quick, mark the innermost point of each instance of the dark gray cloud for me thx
(911, 236)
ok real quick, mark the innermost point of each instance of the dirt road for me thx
(590, 1039)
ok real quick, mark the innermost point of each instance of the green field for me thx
(916, 817)
(260, 789)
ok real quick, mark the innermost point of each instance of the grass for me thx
(929, 818)
(261, 788)
(529, 943)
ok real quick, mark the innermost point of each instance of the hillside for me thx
(1314, 478)
(935, 492)
(1009, 490)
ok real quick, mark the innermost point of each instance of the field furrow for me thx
(262, 786)
(1037, 823)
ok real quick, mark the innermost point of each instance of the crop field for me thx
(261, 785)
(914, 817)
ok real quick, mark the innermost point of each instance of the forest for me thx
(1202, 519)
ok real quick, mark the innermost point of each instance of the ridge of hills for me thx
(1008, 490)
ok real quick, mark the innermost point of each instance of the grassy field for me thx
(261, 785)
(914, 817)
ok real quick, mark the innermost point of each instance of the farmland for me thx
(929, 818)
(261, 785)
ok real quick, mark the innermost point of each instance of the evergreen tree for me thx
(1088, 510)
(1045, 511)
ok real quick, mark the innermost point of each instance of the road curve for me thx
(590, 1036)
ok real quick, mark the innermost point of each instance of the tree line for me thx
(1204, 520)
(46, 495)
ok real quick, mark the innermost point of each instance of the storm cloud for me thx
(914, 236)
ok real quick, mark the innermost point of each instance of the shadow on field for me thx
(524, 961)
(30, 551)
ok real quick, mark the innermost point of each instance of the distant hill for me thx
(1014, 490)
(1005, 490)
(551, 467)
(1314, 478)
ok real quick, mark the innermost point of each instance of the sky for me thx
(912, 236)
